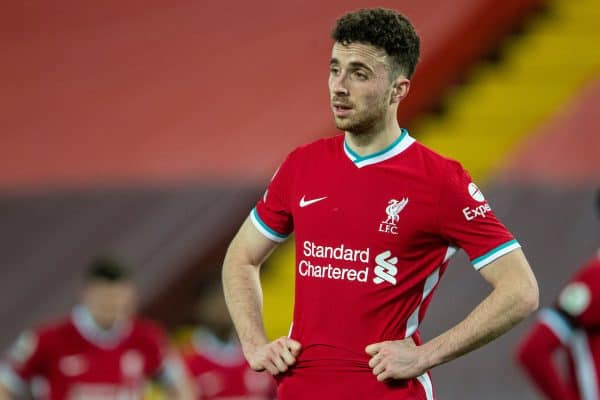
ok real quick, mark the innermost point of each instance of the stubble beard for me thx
(363, 123)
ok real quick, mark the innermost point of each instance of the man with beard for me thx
(376, 217)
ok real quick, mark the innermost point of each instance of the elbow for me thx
(524, 300)
(529, 299)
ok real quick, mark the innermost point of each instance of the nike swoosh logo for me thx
(304, 203)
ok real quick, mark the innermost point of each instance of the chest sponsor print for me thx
(342, 263)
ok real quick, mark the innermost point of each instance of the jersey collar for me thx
(87, 327)
(398, 146)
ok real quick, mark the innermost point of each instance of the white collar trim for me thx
(398, 146)
(87, 327)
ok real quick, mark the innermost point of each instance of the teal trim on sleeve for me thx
(265, 226)
(494, 251)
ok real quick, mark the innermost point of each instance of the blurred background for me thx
(148, 130)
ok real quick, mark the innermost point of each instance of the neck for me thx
(375, 139)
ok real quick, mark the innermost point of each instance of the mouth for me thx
(341, 110)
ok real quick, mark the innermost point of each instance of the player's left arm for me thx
(465, 219)
(514, 296)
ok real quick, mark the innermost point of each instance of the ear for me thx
(400, 89)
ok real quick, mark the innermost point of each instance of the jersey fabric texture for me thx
(78, 361)
(573, 326)
(220, 371)
(373, 238)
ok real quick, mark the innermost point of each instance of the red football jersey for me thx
(574, 326)
(373, 237)
(77, 361)
(220, 371)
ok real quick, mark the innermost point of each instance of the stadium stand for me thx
(506, 102)
(571, 135)
(132, 84)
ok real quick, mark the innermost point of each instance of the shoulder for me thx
(589, 272)
(309, 155)
(319, 147)
(57, 329)
(443, 165)
(593, 264)
(441, 172)
(581, 293)
(40, 339)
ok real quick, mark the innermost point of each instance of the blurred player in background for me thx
(102, 351)
(570, 327)
(376, 218)
(214, 356)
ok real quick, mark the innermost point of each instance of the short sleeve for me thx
(272, 215)
(580, 299)
(24, 360)
(467, 220)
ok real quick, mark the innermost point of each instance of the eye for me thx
(334, 70)
(360, 75)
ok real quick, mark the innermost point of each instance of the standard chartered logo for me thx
(346, 264)
(338, 254)
(385, 270)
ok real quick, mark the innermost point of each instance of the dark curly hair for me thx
(383, 28)
(107, 269)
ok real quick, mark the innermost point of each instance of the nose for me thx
(338, 85)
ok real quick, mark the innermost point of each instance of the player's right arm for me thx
(243, 294)
(269, 223)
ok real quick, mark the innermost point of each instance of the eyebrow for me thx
(354, 64)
